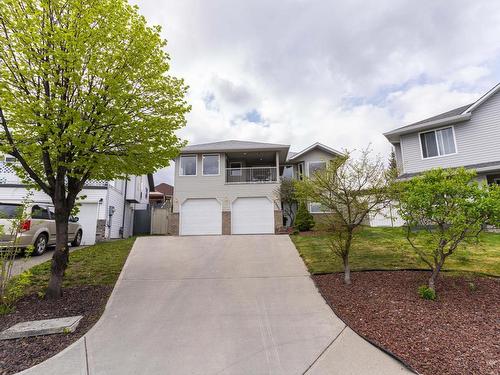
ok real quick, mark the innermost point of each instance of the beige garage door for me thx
(200, 216)
(252, 216)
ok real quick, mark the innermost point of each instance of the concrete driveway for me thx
(218, 305)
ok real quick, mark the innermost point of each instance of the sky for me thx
(336, 72)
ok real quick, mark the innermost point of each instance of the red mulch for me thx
(459, 333)
(20, 354)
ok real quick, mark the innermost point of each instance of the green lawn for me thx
(387, 249)
(99, 264)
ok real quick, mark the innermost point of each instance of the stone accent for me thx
(278, 221)
(100, 233)
(173, 224)
(226, 222)
(41, 327)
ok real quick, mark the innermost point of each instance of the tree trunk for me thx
(345, 257)
(434, 275)
(347, 271)
(61, 255)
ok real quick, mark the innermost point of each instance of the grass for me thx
(387, 249)
(99, 264)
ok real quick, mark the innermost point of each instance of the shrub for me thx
(303, 220)
(426, 293)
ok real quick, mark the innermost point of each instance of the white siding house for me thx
(467, 136)
(106, 210)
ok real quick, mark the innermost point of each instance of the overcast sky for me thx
(337, 72)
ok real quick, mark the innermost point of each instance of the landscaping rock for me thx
(41, 327)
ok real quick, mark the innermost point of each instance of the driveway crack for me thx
(324, 350)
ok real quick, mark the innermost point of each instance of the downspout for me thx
(124, 204)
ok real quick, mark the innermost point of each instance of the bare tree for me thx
(286, 194)
(348, 190)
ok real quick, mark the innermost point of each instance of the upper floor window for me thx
(438, 142)
(316, 166)
(187, 165)
(210, 164)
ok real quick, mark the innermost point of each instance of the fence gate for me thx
(142, 222)
(159, 220)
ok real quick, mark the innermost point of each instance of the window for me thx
(10, 159)
(316, 166)
(317, 208)
(38, 212)
(496, 181)
(235, 168)
(438, 143)
(300, 171)
(9, 211)
(188, 166)
(210, 164)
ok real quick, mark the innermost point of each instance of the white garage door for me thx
(201, 216)
(87, 217)
(252, 216)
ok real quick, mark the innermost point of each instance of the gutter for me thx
(393, 135)
(124, 204)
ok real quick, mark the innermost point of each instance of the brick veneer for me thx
(173, 224)
(226, 222)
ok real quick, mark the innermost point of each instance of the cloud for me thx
(337, 72)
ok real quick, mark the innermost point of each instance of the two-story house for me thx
(106, 207)
(229, 187)
(468, 136)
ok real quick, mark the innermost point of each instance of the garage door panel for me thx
(252, 216)
(200, 217)
(88, 219)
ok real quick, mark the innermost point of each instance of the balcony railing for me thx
(8, 176)
(251, 175)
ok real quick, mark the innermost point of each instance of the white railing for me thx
(247, 175)
(8, 176)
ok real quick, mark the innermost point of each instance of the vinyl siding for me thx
(200, 186)
(477, 141)
(311, 156)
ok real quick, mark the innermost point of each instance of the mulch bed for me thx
(459, 333)
(20, 354)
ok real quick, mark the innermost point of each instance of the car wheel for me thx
(78, 239)
(40, 245)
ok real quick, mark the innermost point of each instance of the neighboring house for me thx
(161, 195)
(106, 211)
(229, 187)
(468, 136)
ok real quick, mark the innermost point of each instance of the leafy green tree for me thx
(84, 94)
(303, 219)
(443, 209)
(349, 189)
(393, 165)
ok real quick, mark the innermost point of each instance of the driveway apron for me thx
(218, 305)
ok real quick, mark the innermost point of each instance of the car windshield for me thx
(9, 211)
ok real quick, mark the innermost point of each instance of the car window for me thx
(52, 214)
(38, 212)
(9, 211)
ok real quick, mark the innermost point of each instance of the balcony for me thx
(252, 175)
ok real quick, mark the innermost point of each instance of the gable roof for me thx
(456, 115)
(233, 145)
(165, 189)
(294, 155)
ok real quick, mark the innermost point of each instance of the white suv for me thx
(39, 229)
